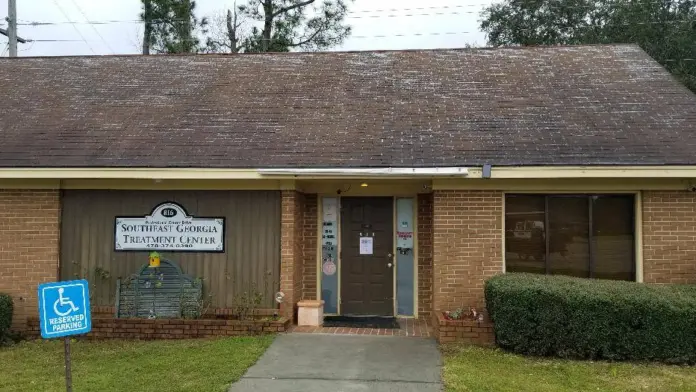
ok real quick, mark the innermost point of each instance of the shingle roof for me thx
(578, 105)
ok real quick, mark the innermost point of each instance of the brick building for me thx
(384, 183)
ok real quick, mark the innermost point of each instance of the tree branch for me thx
(232, 29)
(311, 37)
(220, 44)
(292, 7)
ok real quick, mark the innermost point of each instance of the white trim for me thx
(502, 224)
(320, 251)
(339, 252)
(130, 173)
(369, 172)
(638, 233)
(394, 257)
(497, 172)
(526, 172)
(415, 257)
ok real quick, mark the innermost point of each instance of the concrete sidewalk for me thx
(337, 363)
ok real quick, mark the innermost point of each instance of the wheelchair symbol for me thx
(64, 301)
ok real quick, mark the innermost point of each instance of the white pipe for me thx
(370, 172)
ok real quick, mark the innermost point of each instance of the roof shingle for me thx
(577, 105)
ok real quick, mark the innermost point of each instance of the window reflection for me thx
(569, 252)
(576, 235)
(612, 236)
(525, 242)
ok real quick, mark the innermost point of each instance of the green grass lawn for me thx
(483, 370)
(188, 365)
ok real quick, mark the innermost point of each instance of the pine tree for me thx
(170, 26)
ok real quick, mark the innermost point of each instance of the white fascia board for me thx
(369, 172)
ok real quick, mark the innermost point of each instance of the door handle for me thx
(389, 265)
(390, 255)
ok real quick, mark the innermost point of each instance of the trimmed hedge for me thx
(5, 315)
(593, 319)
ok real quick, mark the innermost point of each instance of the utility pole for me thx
(12, 26)
(147, 18)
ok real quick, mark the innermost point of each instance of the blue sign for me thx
(64, 309)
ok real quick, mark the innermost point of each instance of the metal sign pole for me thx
(68, 373)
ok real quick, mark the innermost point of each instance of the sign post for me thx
(64, 311)
(68, 371)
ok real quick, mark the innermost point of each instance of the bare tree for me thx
(281, 25)
(226, 29)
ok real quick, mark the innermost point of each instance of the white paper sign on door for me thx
(366, 245)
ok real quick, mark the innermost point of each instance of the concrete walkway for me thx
(338, 363)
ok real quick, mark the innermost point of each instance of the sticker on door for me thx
(329, 268)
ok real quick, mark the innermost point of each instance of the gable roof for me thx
(577, 105)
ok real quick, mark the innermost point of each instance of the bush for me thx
(593, 319)
(5, 315)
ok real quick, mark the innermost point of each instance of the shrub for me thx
(5, 315)
(593, 319)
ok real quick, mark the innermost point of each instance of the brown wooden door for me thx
(367, 280)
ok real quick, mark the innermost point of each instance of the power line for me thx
(36, 23)
(420, 8)
(55, 40)
(412, 14)
(29, 48)
(413, 34)
(349, 16)
(75, 27)
(104, 22)
(659, 22)
(93, 27)
(685, 21)
(405, 35)
(97, 22)
(486, 5)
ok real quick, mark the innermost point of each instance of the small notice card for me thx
(330, 207)
(366, 245)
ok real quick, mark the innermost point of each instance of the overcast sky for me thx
(443, 23)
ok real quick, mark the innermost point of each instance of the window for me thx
(587, 236)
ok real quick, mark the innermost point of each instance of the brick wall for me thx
(425, 256)
(291, 250)
(669, 237)
(298, 253)
(110, 328)
(298, 260)
(467, 240)
(469, 331)
(309, 244)
(29, 236)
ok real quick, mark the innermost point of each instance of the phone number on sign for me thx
(169, 246)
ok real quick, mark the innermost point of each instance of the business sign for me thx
(169, 228)
(64, 309)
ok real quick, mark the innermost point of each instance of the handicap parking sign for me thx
(64, 309)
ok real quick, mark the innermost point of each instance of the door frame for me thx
(319, 272)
